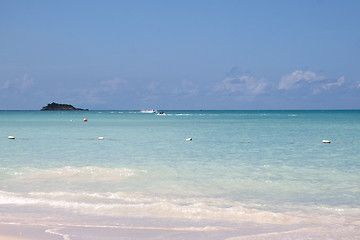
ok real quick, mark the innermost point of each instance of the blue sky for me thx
(180, 54)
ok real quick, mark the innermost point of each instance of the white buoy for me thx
(189, 139)
(11, 137)
(101, 138)
(326, 141)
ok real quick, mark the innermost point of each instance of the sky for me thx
(180, 54)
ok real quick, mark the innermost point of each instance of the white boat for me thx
(148, 111)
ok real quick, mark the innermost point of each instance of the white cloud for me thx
(153, 86)
(6, 84)
(339, 82)
(90, 96)
(187, 87)
(18, 84)
(98, 94)
(26, 82)
(310, 81)
(247, 85)
(297, 78)
(112, 85)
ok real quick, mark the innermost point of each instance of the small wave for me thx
(56, 232)
(142, 205)
(104, 197)
(79, 174)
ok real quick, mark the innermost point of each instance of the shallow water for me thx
(253, 167)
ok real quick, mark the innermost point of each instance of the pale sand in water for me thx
(25, 232)
(74, 232)
(13, 238)
(243, 232)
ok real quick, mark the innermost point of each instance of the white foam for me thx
(141, 205)
(56, 232)
(147, 111)
(80, 174)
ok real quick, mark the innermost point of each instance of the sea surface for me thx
(244, 175)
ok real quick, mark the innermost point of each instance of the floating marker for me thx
(326, 141)
(189, 139)
(85, 119)
(11, 137)
(101, 138)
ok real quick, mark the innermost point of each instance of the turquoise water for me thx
(241, 166)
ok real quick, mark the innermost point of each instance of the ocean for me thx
(244, 175)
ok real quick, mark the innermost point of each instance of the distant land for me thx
(62, 107)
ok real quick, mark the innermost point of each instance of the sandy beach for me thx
(128, 231)
(243, 232)
(140, 230)
(12, 238)
(25, 232)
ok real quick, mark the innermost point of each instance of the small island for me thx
(62, 107)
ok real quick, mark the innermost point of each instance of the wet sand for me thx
(25, 232)
(127, 231)
(245, 231)
(12, 238)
